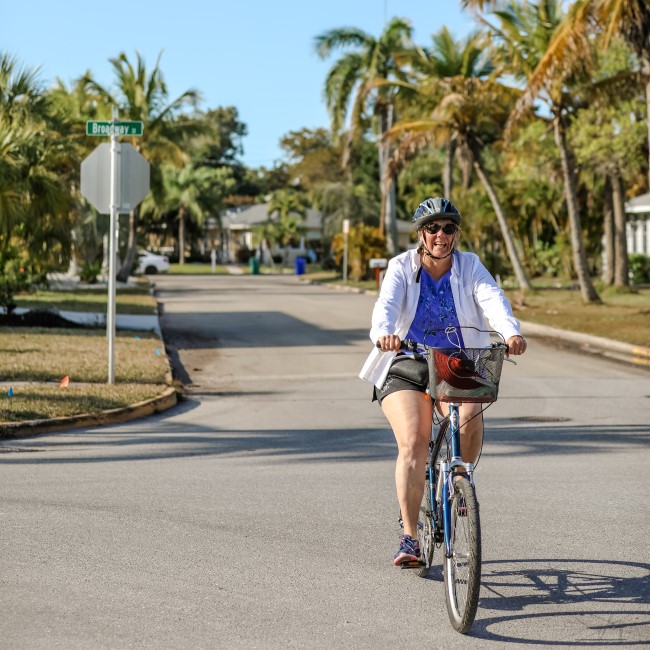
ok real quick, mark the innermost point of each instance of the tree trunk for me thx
(608, 233)
(621, 278)
(381, 151)
(518, 267)
(645, 64)
(132, 246)
(181, 235)
(448, 170)
(587, 290)
(387, 185)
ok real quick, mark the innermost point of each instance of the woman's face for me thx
(439, 242)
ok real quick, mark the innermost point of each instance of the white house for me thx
(238, 224)
(637, 211)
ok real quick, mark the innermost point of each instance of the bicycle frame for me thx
(440, 477)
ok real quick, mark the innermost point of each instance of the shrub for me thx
(89, 272)
(15, 277)
(364, 243)
(639, 266)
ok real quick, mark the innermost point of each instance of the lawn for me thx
(46, 356)
(128, 300)
(623, 316)
(196, 269)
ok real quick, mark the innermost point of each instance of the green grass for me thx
(44, 401)
(623, 316)
(47, 355)
(196, 269)
(136, 300)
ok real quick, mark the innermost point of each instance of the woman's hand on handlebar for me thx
(516, 345)
(391, 342)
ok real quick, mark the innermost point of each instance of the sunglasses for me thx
(448, 228)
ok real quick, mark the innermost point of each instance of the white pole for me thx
(112, 254)
(346, 229)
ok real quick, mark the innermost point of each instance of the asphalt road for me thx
(260, 512)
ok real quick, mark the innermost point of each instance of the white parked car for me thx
(151, 263)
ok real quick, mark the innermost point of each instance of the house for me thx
(637, 211)
(238, 225)
(239, 238)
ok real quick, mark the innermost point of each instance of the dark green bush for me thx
(639, 266)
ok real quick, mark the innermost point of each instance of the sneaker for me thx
(409, 550)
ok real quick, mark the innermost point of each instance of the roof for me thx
(257, 214)
(639, 204)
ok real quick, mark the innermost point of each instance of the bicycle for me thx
(449, 514)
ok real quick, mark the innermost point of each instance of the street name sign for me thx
(107, 127)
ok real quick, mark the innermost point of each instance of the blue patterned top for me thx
(436, 311)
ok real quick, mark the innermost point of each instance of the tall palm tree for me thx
(524, 33)
(287, 211)
(630, 18)
(191, 191)
(354, 80)
(446, 58)
(142, 95)
(473, 113)
(36, 158)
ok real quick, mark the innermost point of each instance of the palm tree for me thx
(472, 113)
(630, 18)
(356, 79)
(446, 58)
(36, 158)
(523, 36)
(191, 191)
(291, 212)
(142, 95)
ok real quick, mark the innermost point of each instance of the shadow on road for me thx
(516, 585)
(173, 439)
(534, 440)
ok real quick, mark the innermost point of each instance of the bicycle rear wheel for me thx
(462, 571)
(425, 531)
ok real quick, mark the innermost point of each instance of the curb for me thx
(634, 354)
(164, 401)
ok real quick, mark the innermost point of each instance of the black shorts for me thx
(393, 384)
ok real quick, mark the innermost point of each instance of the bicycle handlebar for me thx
(412, 346)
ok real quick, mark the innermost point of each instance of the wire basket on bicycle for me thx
(465, 374)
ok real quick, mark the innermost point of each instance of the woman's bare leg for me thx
(409, 415)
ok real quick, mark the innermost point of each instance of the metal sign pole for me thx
(346, 230)
(112, 253)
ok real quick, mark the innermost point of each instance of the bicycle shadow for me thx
(604, 599)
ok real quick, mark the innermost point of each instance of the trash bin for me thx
(254, 263)
(301, 265)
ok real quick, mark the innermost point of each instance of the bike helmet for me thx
(436, 208)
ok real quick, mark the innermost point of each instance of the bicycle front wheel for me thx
(462, 571)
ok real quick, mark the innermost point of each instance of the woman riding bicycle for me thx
(433, 288)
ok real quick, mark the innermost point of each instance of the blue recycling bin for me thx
(254, 265)
(301, 265)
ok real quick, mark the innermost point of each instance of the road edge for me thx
(166, 400)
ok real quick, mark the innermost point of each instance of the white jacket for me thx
(476, 296)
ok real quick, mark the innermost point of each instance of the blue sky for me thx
(257, 56)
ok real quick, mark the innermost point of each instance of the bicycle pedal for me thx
(415, 564)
